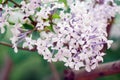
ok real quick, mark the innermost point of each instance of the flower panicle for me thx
(75, 34)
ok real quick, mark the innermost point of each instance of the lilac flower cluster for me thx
(74, 33)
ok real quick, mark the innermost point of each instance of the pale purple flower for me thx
(29, 42)
(77, 37)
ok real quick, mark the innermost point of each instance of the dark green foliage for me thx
(35, 35)
(28, 26)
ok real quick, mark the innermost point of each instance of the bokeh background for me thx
(26, 65)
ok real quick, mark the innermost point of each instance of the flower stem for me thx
(10, 45)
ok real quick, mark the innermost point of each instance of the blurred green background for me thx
(31, 66)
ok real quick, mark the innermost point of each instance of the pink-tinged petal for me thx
(109, 42)
(93, 66)
(99, 58)
(87, 68)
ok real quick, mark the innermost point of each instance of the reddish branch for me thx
(54, 71)
(10, 45)
(102, 70)
(4, 74)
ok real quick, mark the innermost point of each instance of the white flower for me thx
(70, 63)
(41, 24)
(17, 36)
(94, 64)
(2, 24)
(109, 42)
(43, 14)
(48, 1)
(87, 68)
(77, 38)
(29, 42)
(78, 65)
(13, 40)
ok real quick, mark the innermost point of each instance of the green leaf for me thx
(38, 9)
(49, 28)
(0, 1)
(28, 26)
(117, 2)
(68, 10)
(55, 15)
(35, 35)
(64, 1)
